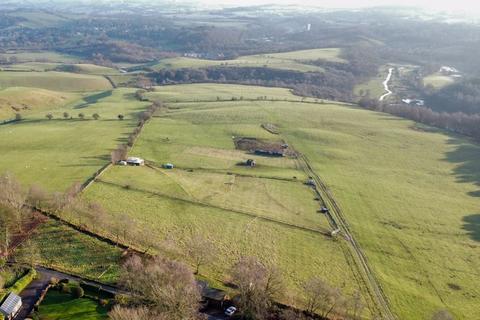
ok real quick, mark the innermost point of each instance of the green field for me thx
(207, 92)
(56, 81)
(62, 306)
(409, 193)
(294, 60)
(39, 56)
(65, 249)
(373, 88)
(38, 19)
(27, 101)
(56, 153)
(171, 220)
(438, 80)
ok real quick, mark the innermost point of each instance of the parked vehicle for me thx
(230, 311)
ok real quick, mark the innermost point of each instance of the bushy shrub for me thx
(64, 288)
(104, 302)
(77, 292)
(53, 281)
(121, 299)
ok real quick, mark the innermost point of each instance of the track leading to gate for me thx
(338, 220)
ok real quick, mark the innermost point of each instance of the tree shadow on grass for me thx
(467, 157)
(472, 225)
(93, 99)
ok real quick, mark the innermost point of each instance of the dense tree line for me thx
(333, 84)
(463, 96)
(458, 122)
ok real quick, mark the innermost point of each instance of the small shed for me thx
(10, 306)
(135, 161)
(168, 166)
(251, 163)
(310, 182)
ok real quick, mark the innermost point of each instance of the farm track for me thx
(151, 165)
(339, 221)
(323, 232)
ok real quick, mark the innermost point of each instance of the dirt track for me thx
(339, 221)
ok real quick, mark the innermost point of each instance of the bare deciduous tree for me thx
(167, 287)
(257, 285)
(11, 192)
(355, 307)
(119, 154)
(9, 222)
(290, 314)
(36, 196)
(122, 313)
(201, 251)
(321, 298)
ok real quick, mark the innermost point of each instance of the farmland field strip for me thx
(261, 100)
(378, 294)
(321, 231)
(152, 165)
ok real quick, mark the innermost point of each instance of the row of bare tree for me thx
(120, 153)
(166, 289)
(461, 123)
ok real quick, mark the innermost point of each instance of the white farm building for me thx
(10, 306)
(135, 161)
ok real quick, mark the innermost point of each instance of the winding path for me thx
(385, 85)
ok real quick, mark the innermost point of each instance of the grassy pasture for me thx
(63, 248)
(208, 92)
(38, 19)
(83, 68)
(410, 193)
(438, 80)
(56, 153)
(87, 68)
(373, 87)
(300, 254)
(30, 100)
(411, 198)
(56, 81)
(32, 66)
(294, 60)
(286, 201)
(62, 306)
(39, 56)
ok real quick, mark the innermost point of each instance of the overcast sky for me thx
(450, 5)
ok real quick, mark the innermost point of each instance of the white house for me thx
(135, 161)
(10, 306)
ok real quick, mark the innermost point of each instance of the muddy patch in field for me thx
(264, 147)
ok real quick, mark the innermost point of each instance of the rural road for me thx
(385, 85)
(31, 294)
